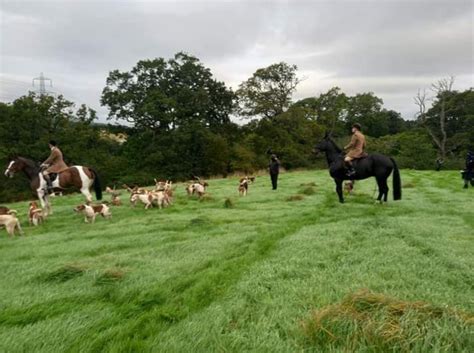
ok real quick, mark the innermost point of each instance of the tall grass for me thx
(264, 275)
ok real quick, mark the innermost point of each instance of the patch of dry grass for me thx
(63, 274)
(228, 203)
(206, 198)
(308, 190)
(110, 276)
(365, 318)
(296, 197)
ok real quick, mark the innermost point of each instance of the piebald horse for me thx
(78, 177)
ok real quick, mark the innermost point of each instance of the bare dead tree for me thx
(440, 89)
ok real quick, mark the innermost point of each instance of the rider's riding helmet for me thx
(357, 126)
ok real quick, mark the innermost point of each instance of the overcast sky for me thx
(391, 48)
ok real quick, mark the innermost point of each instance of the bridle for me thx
(7, 172)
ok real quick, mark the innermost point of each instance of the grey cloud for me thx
(388, 47)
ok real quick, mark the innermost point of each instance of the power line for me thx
(13, 82)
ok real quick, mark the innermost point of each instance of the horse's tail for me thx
(97, 186)
(397, 184)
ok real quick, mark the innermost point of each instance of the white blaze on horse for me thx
(77, 177)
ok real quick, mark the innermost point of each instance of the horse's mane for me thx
(30, 163)
(338, 150)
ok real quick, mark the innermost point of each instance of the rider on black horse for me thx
(54, 164)
(355, 149)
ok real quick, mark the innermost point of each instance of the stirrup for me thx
(350, 173)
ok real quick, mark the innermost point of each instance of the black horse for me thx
(374, 165)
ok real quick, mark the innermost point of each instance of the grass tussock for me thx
(199, 221)
(110, 276)
(308, 190)
(228, 203)
(206, 198)
(63, 274)
(368, 319)
(296, 197)
(313, 184)
(409, 185)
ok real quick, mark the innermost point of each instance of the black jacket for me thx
(274, 166)
(470, 161)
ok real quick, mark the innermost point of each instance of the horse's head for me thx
(18, 164)
(323, 145)
(14, 166)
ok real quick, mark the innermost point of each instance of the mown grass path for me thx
(202, 277)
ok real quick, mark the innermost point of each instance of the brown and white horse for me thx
(78, 177)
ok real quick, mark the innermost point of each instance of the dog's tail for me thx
(128, 188)
(12, 212)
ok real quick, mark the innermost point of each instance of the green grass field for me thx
(274, 273)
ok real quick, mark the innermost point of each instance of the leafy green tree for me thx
(449, 121)
(243, 159)
(161, 95)
(268, 92)
(394, 121)
(328, 109)
(412, 149)
(291, 135)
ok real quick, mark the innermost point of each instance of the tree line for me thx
(179, 122)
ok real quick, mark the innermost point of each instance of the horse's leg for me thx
(44, 201)
(40, 193)
(84, 183)
(85, 191)
(87, 194)
(385, 190)
(43, 196)
(381, 189)
(48, 204)
(339, 190)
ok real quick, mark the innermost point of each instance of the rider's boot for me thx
(350, 171)
(49, 184)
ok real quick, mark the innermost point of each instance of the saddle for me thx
(356, 160)
(52, 176)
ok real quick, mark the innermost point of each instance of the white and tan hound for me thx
(11, 223)
(35, 214)
(91, 211)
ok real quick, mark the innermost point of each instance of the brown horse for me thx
(78, 177)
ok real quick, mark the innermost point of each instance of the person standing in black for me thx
(468, 173)
(274, 167)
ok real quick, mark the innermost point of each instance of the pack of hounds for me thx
(160, 196)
